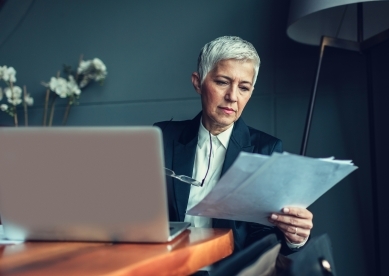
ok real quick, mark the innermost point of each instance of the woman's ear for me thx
(196, 82)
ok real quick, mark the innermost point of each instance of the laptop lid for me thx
(83, 183)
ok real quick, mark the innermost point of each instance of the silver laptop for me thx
(84, 184)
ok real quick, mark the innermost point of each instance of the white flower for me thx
(28, 100)
(84, 66)
(85, 80)
(59, 86)
(14, 95)
(9, 74)
(100, 77)
(73, 87)
(99, 65)
(91, 70)
(4, 107)
(101, 70)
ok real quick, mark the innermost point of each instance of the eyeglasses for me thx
(188, 179)
(183, 178)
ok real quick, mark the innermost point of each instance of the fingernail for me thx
(273, 216)
(286, 210)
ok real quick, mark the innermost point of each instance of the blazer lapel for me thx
(184, 151)
(239, 141)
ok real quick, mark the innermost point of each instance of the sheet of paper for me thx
(257, 185)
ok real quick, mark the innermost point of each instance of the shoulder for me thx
(171, 130)
(172, 125)
(264, 143)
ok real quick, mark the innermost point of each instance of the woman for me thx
(206, 146)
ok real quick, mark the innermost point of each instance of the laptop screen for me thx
(83, 183)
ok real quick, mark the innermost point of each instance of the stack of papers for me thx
(258, 185)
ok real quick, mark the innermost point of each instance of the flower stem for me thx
(52, 111)
(46, 107)
(14, 106)
(65, 118)
(16, 118)
(25, 106)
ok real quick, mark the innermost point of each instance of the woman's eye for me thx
(243, 88)
(220, 82)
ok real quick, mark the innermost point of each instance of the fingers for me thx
(291, 221)
(299, 217)
(293, 230)
(295, 223)
(298, 212)
(294, 234)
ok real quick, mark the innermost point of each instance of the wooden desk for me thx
(192, 250)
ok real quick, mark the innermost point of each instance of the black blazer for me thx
(180, 141)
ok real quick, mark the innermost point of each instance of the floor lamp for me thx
(354, 25)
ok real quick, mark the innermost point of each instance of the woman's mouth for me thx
(227, 110)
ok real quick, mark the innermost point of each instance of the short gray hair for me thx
(226, 47)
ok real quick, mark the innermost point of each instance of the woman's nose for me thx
(231, 94)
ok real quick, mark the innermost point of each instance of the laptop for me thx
(84, 184)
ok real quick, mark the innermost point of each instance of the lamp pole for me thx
(362, 46)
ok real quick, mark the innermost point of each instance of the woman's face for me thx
(224, 93)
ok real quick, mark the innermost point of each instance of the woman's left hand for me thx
(294, 222)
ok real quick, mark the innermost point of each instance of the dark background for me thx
(150, 49)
